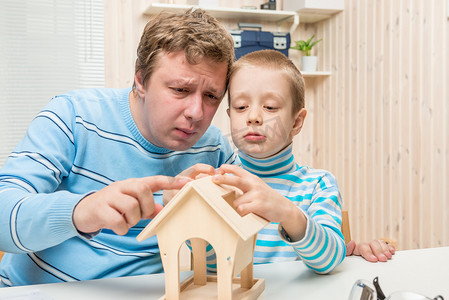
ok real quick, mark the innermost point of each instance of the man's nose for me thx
(194, 109)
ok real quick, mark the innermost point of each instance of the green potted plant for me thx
(308, 62)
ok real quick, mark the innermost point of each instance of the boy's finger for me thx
(232, 169)
(378, 250)
(385, 249)
(350, 247)
(235, 181)
(391, 248)
(366, 252)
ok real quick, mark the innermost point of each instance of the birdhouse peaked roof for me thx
(214, 195)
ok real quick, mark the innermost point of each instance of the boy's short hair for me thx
(195, 32)
(276, 60)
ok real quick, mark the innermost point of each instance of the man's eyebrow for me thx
(220, 94)
(187, 83)
(179, 82)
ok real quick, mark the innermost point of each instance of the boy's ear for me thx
(228, 112)
(139, 85)
(298, 121)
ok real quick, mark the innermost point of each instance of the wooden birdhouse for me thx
(202, 212)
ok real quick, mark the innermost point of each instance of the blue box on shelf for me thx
(246, 41)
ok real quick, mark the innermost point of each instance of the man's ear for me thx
(139, 85)
(298, 121)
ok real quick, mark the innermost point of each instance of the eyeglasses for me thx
(364, 290)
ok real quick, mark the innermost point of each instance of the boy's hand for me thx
(257, 196)
(372, 251)
(194, 172)
(262, 200)
(122, 204)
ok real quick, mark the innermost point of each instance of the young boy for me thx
(266, 108)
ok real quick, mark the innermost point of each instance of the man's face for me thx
(179, 101)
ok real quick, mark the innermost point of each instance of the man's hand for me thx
(122, 204)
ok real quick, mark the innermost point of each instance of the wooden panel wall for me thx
(381, 120)
(379, 123)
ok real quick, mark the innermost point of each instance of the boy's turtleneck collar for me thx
(277, 164)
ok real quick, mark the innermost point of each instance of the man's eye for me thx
(212, 96)
(179, 90)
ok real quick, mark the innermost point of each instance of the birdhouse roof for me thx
(214, 195)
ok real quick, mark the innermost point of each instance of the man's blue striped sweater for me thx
(79, 143)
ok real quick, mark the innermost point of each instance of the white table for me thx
(424, 271)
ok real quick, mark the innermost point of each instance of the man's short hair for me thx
(195, 32)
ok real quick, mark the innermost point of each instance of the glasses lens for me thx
(362, 290)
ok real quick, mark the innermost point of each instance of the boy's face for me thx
(262, 123)
(179, 101)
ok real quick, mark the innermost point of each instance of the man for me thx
(84, 181)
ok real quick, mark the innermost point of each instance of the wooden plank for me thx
(199, 261)
(405, 232)
(345, 228)
(414, 123)
(396, 119)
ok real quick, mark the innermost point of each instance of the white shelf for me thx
(313, 16)
(303, 15)
(227, 13)
(311, 11)
(253, 15)
(316, 74)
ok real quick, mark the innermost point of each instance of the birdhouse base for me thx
(189, 290)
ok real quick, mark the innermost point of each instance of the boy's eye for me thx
(270, 108)
(242, 107)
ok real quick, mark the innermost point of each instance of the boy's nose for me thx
(194, 109)
(254, 118)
